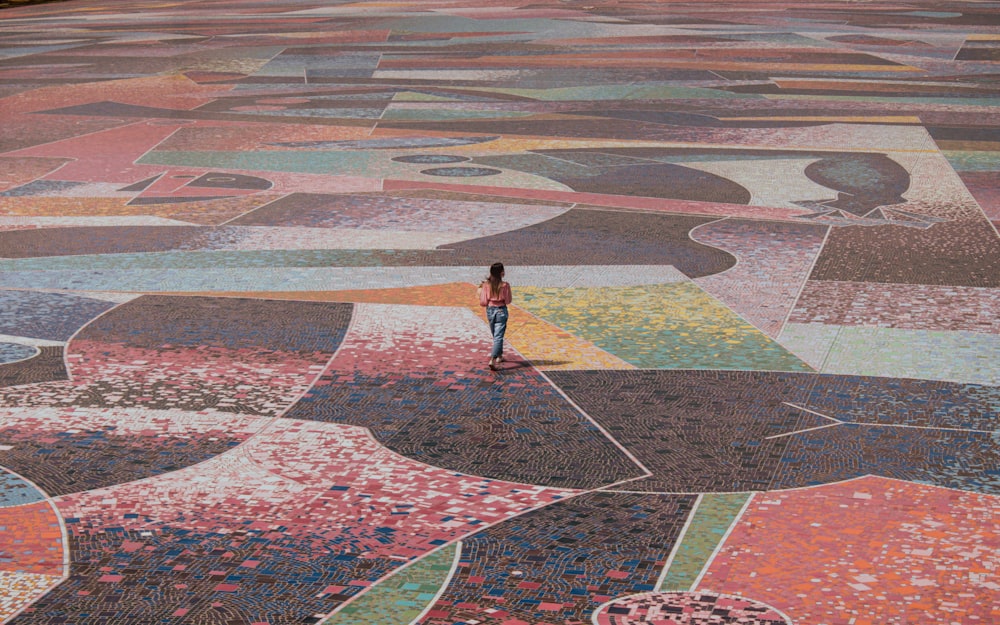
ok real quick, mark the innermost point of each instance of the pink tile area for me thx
(261, 381)
(202, 424)
(108, 156)
(415, 341)
(313, 480)
(773, 262)
(871, 551)
(903, 306)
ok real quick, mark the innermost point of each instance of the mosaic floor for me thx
(753, 369)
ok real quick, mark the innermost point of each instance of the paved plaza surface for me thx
(752, 370)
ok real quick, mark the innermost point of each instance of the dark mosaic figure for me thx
(47, 366)
(954, 253)
(577, 554)
(863, 181)
(718, 431)
(621, 176)
(71, 462)
(597, 237)
(232, 323)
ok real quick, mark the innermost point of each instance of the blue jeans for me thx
(497, 316)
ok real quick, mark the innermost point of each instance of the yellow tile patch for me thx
(551, 348)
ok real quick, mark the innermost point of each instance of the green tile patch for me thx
(712, 519)
(401, 598)
(667, 326)
(954, 356)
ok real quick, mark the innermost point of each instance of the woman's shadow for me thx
(515, 365)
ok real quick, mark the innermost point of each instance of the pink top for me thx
(503, 300)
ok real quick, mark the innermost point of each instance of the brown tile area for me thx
(959, 253)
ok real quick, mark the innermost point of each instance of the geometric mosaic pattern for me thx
(753, 363)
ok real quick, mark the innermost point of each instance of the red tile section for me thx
(867, 552)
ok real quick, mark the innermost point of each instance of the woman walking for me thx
(495, 294)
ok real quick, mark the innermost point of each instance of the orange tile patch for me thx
(212, 212)
(871, 550)
(234, 137)
(31, 540)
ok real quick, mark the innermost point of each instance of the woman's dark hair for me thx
(495, 279)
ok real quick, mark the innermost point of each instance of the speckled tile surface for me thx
(751, 368)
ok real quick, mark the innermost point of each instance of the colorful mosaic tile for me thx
(562, 562)
(751, 367)
(675, 326)
(292, 523)
(958, 356)
(417, 378)
(880, 551)
(714, 515)
(400, 599)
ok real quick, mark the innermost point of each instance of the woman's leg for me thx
(499, 327)
(491, 317)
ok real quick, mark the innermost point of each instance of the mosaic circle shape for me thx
(431, 159)
(687, 608)
(461, 172)
(13, 352)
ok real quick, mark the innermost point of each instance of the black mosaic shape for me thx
(71, 462)
(864, 181)
(47, 366)
(956, 253)
(578, 553)
(16, 352)
(720, 431)
(461, 172)
(155, 321)
(220, 180)
(182, 329)
(696, 431)
(906, 401)
(960, 460)
(596, 237)
(155, 200)
(639, 179)
(431, 158)
(97, 240)
(41, 188)
(140, 186)
(515, 428)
